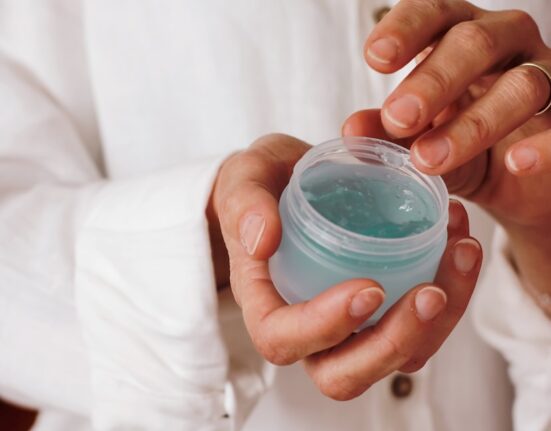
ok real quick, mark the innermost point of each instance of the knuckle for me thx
(438, 6)
(432, 6)
(235, 161)
(326, 334)
(273, 352)
(254, 271)
(473, 33)
(244, 272)
(271, 156)
(229, 206)
(437, 78)
(391, 349)
(254, 160)
(272, 146)
(268, 140)
(479, 128)
(524, 20)
(252, 166)
(414, 365)
(527, 83)
(467, 180)
(339, 389)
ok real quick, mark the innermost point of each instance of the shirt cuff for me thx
(146, 299)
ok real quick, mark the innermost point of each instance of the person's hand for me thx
(320, 331)
(467, 110)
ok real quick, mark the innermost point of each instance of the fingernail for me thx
(466, 253)
(251, 230)
(403, 112)
(430, 302)
(522, 158)
(383, 50)
(366, 301)
(432, 153)
(455, 214)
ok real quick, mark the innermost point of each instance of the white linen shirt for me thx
(114, 119)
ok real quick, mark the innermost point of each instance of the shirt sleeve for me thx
(509, 320)
(110, 282)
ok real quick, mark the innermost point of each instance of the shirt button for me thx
(380, 13)
(401, 386)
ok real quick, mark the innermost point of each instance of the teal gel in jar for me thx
(358, 208)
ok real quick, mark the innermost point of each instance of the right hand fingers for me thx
(246, 202)
(493, 38)
(530, 157)
(463, 181)
(442, 78)
(516, 96)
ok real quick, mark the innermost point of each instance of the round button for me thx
(401, 386)
(380, 13)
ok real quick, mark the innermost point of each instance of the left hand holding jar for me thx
(317, 332)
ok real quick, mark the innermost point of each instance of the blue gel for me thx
(364, 200)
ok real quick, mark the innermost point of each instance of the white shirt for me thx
(115, 117)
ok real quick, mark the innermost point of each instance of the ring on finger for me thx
(547, 74)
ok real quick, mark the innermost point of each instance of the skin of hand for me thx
(320, 332)
(467, 112)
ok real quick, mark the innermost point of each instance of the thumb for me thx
(365, 123)
(368, 123)
(247, 192)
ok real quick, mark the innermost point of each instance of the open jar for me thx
(357, 208)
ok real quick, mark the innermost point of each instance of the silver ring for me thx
(547, 73)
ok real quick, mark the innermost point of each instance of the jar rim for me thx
(338, 239)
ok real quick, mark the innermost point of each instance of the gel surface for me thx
(369, 200)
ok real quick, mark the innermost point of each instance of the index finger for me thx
(411, 26)
(368, 123)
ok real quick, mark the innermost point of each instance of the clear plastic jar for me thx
(316, 253)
